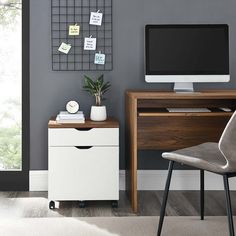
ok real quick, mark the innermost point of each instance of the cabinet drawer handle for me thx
(83, 129)
(83, 147)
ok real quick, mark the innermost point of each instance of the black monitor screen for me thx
(187, 49)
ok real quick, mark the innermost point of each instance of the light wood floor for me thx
(184, 203)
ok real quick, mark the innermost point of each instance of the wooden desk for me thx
(149, 125)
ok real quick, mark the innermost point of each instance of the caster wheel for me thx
(114, 204)
(51, 205)
(82, 204)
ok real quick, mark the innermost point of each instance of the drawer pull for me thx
(83, 147)
(83, 129)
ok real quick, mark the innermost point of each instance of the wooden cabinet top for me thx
(211, 94)
(109, 123)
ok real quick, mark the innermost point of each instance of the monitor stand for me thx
(183, 87)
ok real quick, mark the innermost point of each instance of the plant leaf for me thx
(96, 87)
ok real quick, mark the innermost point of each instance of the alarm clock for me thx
(72, 107)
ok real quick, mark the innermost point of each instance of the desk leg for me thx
(131, 152)
(131, 180)
(134, 192)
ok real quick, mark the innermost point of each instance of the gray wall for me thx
(50, 90)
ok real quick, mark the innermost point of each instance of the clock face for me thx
(72, 107)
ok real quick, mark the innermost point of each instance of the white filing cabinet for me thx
(83, 162)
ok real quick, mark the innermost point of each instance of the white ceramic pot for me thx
(98, 113)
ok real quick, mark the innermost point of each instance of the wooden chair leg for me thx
(163, 206)
(228, 206)
(202, 200)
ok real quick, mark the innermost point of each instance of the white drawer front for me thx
(83, 174)
(91, 137)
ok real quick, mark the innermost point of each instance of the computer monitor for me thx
(184, 54)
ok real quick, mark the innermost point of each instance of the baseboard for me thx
(149, 180)
(38, 180)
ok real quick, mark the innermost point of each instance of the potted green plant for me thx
(97, 88)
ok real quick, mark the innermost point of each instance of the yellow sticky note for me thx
(74, 30)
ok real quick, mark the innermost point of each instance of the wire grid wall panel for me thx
(70, 12)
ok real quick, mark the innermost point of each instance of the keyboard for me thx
(188, 110)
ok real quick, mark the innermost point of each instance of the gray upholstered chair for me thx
(219, 158)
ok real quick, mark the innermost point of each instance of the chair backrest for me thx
(227, 143)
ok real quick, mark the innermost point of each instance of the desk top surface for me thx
(160, 94)
(109, 123)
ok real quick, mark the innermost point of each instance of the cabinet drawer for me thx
(83, 137)
(83, 174)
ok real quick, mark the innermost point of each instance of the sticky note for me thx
(74, 30)
(99, 58)
(90, 43)
(96, 18)
(64, 47)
